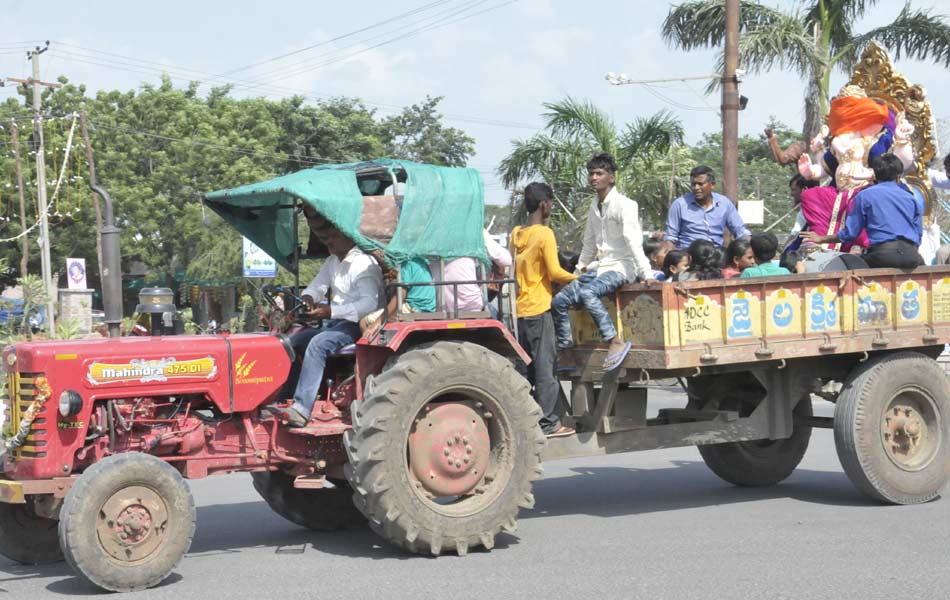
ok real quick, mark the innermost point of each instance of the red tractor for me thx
(424, 429)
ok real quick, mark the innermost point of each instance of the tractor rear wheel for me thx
(892, 428)
(758, 462)
(444, 448)
(324, 509)
(126, 522)
(26, 537)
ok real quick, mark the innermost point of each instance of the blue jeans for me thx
(587, 290)
(324, 341)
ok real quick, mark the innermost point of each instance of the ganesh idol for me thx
(861, 129)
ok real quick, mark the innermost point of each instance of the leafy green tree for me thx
(760, 177)
(813, 40)
(649, 153)
(158, 149)
(417, 134)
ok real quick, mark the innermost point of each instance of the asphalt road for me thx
(655, 525)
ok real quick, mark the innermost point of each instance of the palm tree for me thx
(813, 40)
(649, 152)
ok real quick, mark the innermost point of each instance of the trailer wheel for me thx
(126, 522)
(26, 537)
(892, 426)
(321, 509)
(444, 448)
(759, 462)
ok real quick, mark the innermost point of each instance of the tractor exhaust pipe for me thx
(111, 266)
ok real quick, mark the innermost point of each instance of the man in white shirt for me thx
(612, 255)
(355, 285)
(941, 179)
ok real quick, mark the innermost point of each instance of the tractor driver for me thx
(355, 285)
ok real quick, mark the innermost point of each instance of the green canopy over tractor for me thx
(411, 210)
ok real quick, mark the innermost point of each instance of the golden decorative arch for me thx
(875, 74)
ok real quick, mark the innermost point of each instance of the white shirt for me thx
(355, 285)
(939, 179)
(614, 240)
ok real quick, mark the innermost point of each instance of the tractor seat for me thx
(347, 350)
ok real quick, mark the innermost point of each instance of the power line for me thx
(249, 84)
(145, 70)
(657, 94)
(441, 19)
(337, 38)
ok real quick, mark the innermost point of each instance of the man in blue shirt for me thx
(703, 214)
(890, 213)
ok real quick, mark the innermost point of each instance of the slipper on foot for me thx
(562, 431)
(289, 415)
(614, 360)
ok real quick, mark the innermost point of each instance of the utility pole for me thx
(25, 247)
(730, 105)
(34, 56)
(93, 182)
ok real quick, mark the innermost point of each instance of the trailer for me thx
(751, 354)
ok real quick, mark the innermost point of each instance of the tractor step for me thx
(319, 429)
(310, 482)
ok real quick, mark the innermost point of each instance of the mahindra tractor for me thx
(423, 429)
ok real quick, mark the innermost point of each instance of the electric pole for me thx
(25, 242)
(730, 105)
(93, 182)
(34, 56)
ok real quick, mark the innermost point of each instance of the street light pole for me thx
(730, 105)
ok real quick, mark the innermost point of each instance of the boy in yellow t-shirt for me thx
(536, 267)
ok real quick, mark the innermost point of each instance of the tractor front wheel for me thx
(444, 448)
(26, 537)
(127, 522)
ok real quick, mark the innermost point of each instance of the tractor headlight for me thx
(70, 403)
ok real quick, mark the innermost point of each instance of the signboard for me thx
(752, 211)
(256, 262)
(76, 273)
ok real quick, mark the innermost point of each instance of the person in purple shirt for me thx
(890, 213)
(703, 214)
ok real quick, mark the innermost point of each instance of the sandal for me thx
(562, 431)
(614, 360)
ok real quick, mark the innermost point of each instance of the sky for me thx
(495, 61)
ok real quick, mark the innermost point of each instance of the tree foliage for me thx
(158, 149)
(814, 40)
(417, 134)
(649, 153)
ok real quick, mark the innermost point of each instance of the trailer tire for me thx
(878, 449)
(26, 537)
(326, 509)
(760, 462)
(126, 522)
(444, 448)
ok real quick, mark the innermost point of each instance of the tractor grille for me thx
(21, 392)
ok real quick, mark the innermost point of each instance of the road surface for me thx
(655, 525)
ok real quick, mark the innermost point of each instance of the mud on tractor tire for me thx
(444, 448)
(127, 522)
(324, 509)
(26, 537)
